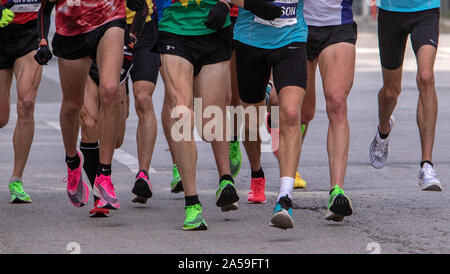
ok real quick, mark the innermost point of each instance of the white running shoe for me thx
(427, 179)
(379, 148)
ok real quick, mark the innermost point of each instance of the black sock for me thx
(426, 161)
(383, 136)
(258, 174)
(226, 177)
(191, 200)
(73, 162)
(235, 139)
(91, 159)
(104, 169)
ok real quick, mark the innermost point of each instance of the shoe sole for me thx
(140, 200)
(282, 220)
(178, 188)
(202, 226)
(257, 202)
(19, 201)
(142, 189)
(340, 207)
(228, 196)
(99, 215)
(432, 187)
(233, 206)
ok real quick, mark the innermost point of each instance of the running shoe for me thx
(379, 148)
(18, 195)
(339, 205)
(142, 188)
(194, 219)
(226, 195)
(256, 194)
(282, 214)
(77, 189)
(427, 179)
(105, 191)
(176, 186)
(235, 158)
(97, 212)
(299, 182)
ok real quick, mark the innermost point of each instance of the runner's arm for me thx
(260, 8)
(44, 20)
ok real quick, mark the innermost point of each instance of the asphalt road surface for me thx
(391, 214)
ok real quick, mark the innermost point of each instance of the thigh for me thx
(253, 73)
(146, 62)
(289, 66)
(426, 30)
(177, 73)
(337, 68)
(212, 84)
(5, 87)
(110, 55)
(73, 75)
(28, 76)
(391, 39)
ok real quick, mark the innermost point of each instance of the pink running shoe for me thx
(142, 188)
(105, 190)
(77, 189)
(257, 194)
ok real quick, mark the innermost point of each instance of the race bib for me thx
(26, 6)
(288, 18)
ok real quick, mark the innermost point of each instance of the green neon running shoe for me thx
(176, 186)
(235, 158)
(18, 195)
(226, 195)
(339, 205)
(194, 219)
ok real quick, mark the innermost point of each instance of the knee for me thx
(109, 94)
(25, 108)
(337, 107)
(143, 104)
(87, 121)
(290, 115)
(425, 78)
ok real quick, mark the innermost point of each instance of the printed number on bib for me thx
(288, 18)
(26, 6)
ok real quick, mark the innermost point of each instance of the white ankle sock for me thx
(286, 187)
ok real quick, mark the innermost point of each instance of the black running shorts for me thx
(319, 38)
(82, 45)
(145, 62)
(254, 65)
(199, 50)
(393, 31)
(17, 40)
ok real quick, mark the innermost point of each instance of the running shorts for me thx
(319, 38)
(254, 66)
(393, 31)
(145, 62)
(17, 40)
(82, 45)
(199, 50)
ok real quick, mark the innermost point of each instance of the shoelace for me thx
(428, 171)
(103, 181)
(71, 177)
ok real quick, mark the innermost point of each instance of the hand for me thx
(43, 55)
(217, 16)
(135, 5)
(6, 17)
(263, 9)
